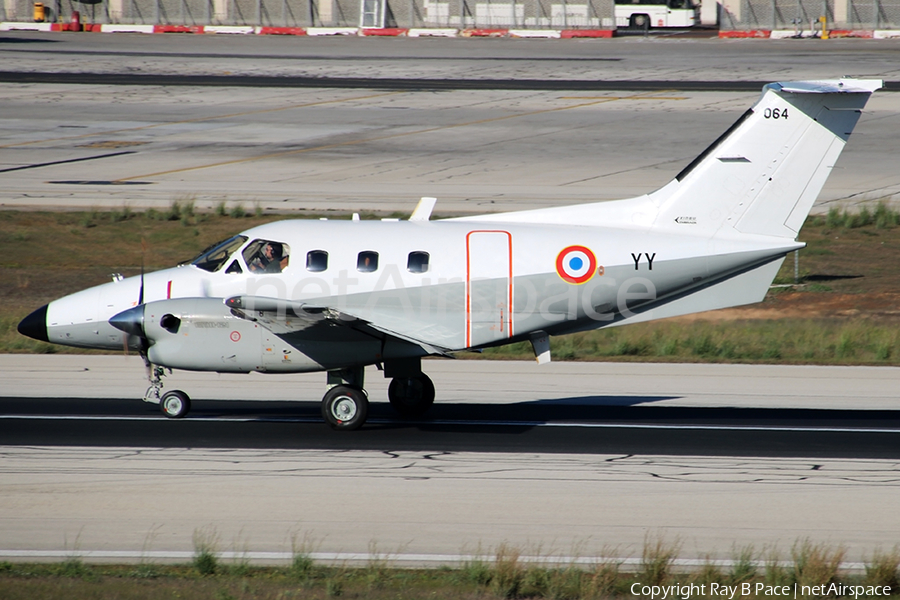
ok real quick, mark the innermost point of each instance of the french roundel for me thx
(576, 264)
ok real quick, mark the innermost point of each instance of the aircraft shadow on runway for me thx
(625, 410)
(18, 40)
(577, 424)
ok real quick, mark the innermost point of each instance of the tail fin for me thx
(763, 174)
(760, 177)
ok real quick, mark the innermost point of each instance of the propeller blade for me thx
(143, 256)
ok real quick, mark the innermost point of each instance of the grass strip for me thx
(783, 341)
(813, 569)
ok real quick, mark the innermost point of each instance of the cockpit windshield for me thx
(216, 255)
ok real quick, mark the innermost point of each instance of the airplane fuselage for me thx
(480, 284)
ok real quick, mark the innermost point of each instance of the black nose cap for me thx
(35, 325)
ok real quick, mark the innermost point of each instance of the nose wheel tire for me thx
(411, 396)
(345, 407)
(175, 404)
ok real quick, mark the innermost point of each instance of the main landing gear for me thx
(411, 396)
(346, 405)
(174, 404)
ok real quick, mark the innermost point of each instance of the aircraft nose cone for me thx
(35, 325)
(130, 321)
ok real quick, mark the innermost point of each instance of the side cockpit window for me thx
(266, 256)
(218, 254)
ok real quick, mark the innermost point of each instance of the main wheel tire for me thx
(411, 396)
(641, 22)
(345, 407)
(175, 404)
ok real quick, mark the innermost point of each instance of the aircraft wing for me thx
(300, 319)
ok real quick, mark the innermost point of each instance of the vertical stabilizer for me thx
(763, 174)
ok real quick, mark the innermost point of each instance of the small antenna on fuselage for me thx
(423, 209)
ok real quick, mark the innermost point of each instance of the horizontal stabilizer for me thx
(855, 86)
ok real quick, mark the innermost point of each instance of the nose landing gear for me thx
(174, 404)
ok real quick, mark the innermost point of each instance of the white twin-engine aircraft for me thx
(335, 296)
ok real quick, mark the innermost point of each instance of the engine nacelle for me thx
(202, 334)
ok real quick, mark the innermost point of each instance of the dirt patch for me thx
(809, 305)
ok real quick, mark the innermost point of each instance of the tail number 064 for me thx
(776, 113)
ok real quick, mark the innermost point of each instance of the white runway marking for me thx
(464, 423)
(400, 560)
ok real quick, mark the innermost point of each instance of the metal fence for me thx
(517, 14)
(803, 15)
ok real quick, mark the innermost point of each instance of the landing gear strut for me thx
(174, 404)
(155, 374)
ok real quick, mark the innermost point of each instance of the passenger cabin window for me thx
(367, 261)
(266, 256)
(316, 261)
(218, 254)
(417, 262)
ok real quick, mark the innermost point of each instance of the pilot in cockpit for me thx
(271, 260)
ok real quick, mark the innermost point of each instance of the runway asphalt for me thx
(475, 428)
(409, 84)
(482, 406)
(624, 59)
(406, 84)
(146, 503)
